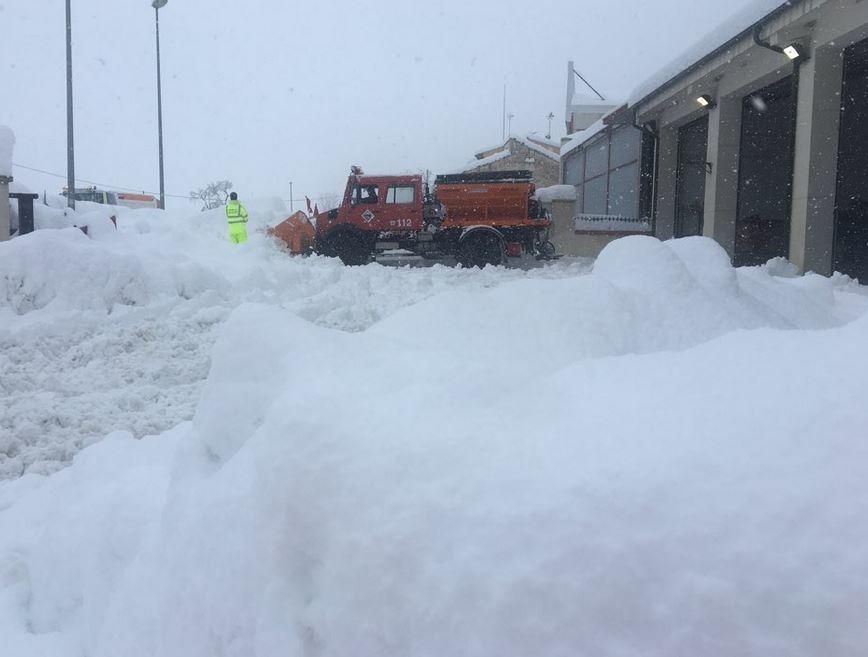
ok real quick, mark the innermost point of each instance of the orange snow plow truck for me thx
(476, 218)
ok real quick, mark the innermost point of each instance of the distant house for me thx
(536, 154)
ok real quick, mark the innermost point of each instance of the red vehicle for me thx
(479, 218)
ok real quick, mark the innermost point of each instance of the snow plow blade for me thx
(296, 232)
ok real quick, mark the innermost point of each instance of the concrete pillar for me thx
(5, 215)
(667, 169)
(721, 185)
(815, 161)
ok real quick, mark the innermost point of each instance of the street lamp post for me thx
(70, 150)
(157, 5)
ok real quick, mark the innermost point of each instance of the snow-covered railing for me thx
(611, 223)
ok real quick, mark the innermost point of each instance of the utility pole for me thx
(290, 197)
(509, 118)
(157, 5)
(70, 142)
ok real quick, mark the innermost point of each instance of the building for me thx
(757, 137)
(536, 154)
(610, 165)
(7, 143)
(583, 223)
(582, 110)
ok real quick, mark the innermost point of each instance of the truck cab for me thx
(373, 208)
(378, 203)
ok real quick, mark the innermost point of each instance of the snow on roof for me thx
(7, 144)
(542, 150)
(583, 100)
(583, 136)
(534, 137)
(532, 141)
(709, 44)
(473, 164)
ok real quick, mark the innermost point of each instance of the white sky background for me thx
(266, 91)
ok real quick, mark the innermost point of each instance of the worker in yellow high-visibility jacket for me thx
(236, 215)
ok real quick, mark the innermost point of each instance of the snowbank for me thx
(7, 144)
(114, 331)
(662, 457)
(64, 270)
(556, 193)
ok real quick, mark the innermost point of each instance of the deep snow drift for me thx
(664, 456)
(115, 331)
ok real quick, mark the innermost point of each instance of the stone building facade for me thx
(540, 157)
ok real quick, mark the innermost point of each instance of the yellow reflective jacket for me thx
(236, 213)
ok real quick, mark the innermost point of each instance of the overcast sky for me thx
(264, 92)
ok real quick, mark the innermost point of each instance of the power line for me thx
(99, 184)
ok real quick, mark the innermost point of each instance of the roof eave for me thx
(746, 33)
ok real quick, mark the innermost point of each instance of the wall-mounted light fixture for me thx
(796, 51)
(706, 101)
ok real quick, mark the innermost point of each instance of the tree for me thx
(213, 195)
(328, 201)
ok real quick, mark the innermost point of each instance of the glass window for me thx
(574, 168)
(597, 155)
(624, 191)
(401, 194)
(595, 196)
(626, 144)
(366, 194)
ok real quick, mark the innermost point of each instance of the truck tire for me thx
(546, 250)
(480, 248)
(350, 246)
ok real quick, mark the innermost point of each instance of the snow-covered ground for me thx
(115, 332)
(658, 456)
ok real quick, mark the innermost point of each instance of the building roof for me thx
(582, 136)
(482, 161)
(722, 38)
(541, 145)
(581, 101)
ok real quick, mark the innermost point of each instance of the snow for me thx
(661, 455)
(114, 330)
(537, 148)
(556, 193)
(532, 141)
(7, 144)
(583, 136)
(742, 20)
(583, 100)
(491, 159)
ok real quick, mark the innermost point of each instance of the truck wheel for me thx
(546, 250)
(480, 249)
(350, 247)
